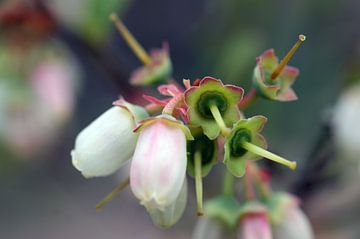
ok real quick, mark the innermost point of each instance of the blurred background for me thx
(62, 64)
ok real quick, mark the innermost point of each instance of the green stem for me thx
(115, 192)
(266, 154)
(198, 183)
(228, 187)
(225, 131)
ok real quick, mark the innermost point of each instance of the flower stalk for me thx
(287, 58)
(113, 193)
(130, 40)
(198, 184)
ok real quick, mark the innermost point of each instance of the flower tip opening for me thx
(113, 17)
(292, 165)
(302, 37)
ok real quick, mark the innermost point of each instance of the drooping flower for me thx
(346, 123)
(158, 166)
(273, 80)
(109, 141)
(288, 220)
(212, 97)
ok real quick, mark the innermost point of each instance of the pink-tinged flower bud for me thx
(255, 225)
(108, 142)
(292, 223)
(212, 228)
(159, 163)
(171, 213)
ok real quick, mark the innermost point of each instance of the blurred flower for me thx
(89, 18)
(158, 166)
(108, 142)
(212, 228)
(346, 123)
(289, 221)
(255, 225)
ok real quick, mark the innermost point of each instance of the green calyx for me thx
(278, 88)
(224, 208)
(158, 71)
(244, 131)
(212, 92)
(208, 150)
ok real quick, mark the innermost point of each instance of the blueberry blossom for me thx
(109, 141)
(210, 100)
(158, 166)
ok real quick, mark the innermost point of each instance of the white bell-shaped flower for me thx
(159, 163)
(108, 142)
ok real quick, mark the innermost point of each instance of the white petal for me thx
(171, 213)
(106, 144)
(159, 165)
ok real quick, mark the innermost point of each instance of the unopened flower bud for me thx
(159, 163)
(108, 142)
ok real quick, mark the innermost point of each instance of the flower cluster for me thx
(191, 128)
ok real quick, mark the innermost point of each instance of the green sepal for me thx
(158, 71)
(252, 207)
(209, 153)
(235, 157)
(166, 119)
(225, 209)
(212, 91)
(278, 89)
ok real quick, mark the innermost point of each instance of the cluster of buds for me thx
(191, 128)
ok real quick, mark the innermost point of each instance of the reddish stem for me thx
(249, 98)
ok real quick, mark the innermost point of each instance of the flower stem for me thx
(287, 58)
(249, 183)
(198, 183)
(263, 185)
(228, 187)
(130, 40)
(249, 98)
(115, 192)
(266, 154)
(225, 131)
